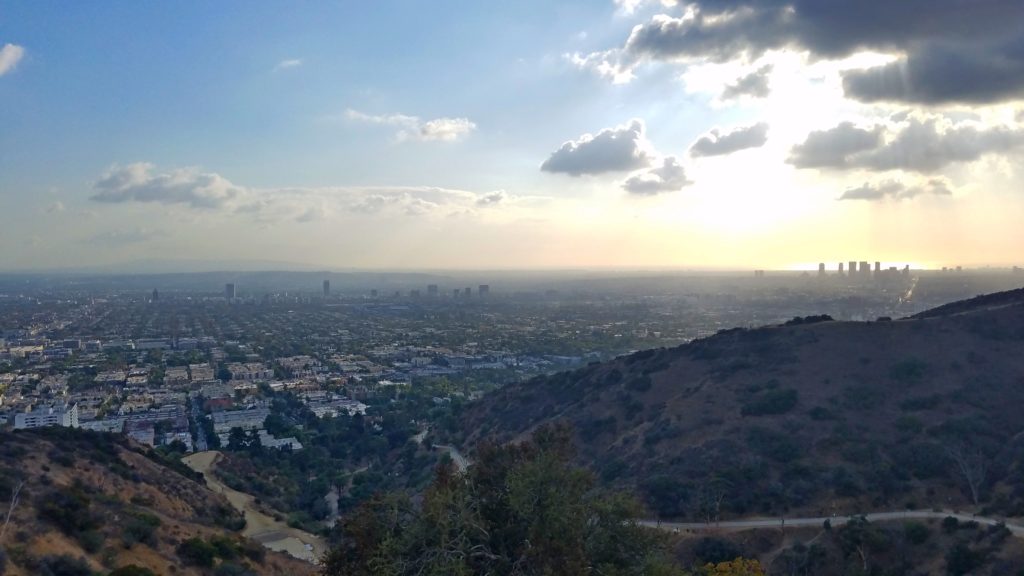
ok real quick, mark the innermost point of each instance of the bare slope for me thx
(814, 416)
(96, 499)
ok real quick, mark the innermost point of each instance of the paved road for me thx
(735, 525)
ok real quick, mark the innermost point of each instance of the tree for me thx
(737, 567)
(972, 465)
(519, 509)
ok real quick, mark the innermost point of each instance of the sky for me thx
(529, 134)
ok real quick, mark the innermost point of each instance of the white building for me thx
(56, 415)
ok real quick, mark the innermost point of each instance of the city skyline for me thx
(626, 134)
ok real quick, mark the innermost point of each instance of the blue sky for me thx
(349, 134)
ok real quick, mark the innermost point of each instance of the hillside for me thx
(95, 500)
(815, 416)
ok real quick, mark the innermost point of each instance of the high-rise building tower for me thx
(852, 268)
(156, 296)
(374, 293)
(327, 288)
(840, 268)
(484, 290)
(878, 267)
(467, 292)
(821, 269)
(229, 290)
(432, 290)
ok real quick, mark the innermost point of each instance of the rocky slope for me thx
(94, 501)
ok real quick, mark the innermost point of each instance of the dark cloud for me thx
(618, 149)
(669, 177)
(944, 74)
(955, 50)
(717, 144)
(897, 190)
(754, 85)
(920, 146)
(833, 148)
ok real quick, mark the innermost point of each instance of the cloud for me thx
(941, 41)
(894, 189)
(629, 7)
(754, 85)
(55, 207)
(718, 144)
(669, 177)
(207, 192)
(492, 199)
(285, 64)
(833, 148)
(920, 145)
(618, 149)
(944, 75)
(413, 128)
(137, 183)
(135, 235)
(10, 55)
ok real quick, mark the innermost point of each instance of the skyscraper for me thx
(484, 290)
(821, 269)
(840, 268)
(432, 290)
(229, 290)
(156, 296)
(327, 288)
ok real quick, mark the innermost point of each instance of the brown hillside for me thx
(98, 500)
(814, 416)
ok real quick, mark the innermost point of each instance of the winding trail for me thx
(887, 516)
(272, 534)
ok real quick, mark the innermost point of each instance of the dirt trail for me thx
(273, 534)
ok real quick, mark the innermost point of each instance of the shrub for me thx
(132, 570)
(197, 552)
(91, 541)
(916, 532)
(950, 524)
(909, 371)
(714, 550)
(63, 565)
(770, 402)
(140, 528)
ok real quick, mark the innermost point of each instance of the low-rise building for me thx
(53, 415)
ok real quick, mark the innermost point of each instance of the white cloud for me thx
(291, 63)
(619, 149)
(194, 189)
(10, 55)
(629, 7)
(55, 207)
(413, 128)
